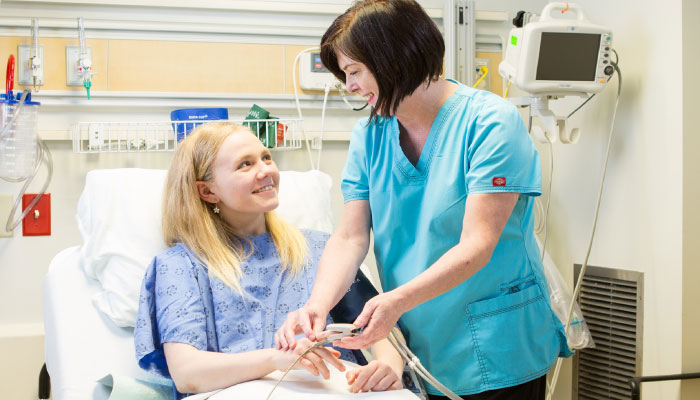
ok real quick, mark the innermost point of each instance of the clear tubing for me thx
(43, 153)
(46, 155)
(19, 135)
(81, 35)
(35, 37)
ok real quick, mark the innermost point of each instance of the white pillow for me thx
(119, 219)
(305, 200)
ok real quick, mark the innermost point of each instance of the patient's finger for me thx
(363, 377)
(309, 366)
(384, 384)
(317, 360)
(331, 355)
(352, 375)
(373, 380)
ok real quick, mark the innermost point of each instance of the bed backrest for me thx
(119, 218)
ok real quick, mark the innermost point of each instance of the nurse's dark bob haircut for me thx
(395, 39)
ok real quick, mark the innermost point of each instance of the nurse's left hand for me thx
(379, 316)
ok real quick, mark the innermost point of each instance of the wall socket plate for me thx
(312, 74)
(96, 136)
(486, 83)
(24, 66)
(73, 76)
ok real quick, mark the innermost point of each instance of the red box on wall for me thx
(38, 220)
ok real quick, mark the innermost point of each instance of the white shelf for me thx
(163, 136)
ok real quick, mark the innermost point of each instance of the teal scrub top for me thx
(496, 329)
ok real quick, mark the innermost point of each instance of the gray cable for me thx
(318, 344)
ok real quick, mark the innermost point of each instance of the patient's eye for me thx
(267, 157)
(244, 164)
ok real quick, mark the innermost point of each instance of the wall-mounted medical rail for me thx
(159, 136)
(636, 382)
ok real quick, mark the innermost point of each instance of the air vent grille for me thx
(611, 302)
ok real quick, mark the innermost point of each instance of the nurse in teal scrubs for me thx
(445, 178)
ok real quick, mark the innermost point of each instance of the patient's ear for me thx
(205, 192)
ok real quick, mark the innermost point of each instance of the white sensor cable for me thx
(342, 330)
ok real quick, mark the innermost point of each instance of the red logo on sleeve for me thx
(499, 181)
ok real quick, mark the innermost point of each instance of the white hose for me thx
(323, 121)
(296, 98)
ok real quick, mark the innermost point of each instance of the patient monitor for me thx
(559, 53)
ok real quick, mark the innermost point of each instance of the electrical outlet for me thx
(24, 65)
(313, 75)
(96, 136)
(6, 202)
(479, 64)
(38, 220)
(73, 75)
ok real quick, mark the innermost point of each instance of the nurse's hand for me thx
(309, 320)
(379, 316)
(377, 376)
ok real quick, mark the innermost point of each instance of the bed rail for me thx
(636, 382)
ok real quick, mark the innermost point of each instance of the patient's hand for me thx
(313, 361)
(377, 376)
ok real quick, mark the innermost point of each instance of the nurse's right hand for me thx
(309, 320)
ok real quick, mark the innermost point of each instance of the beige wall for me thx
(22, 357)
(690, 389)
(171, 66)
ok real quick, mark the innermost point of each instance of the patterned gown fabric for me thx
(180, 302)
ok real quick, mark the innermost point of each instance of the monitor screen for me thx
(568, 56)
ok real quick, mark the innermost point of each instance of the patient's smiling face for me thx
(245, 181)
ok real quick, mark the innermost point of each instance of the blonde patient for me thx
(211, 304)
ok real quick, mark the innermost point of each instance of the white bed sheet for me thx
(81, 344)
(301, 385)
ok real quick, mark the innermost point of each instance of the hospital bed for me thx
(88, 293)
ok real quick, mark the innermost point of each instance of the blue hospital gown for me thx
(180, 302)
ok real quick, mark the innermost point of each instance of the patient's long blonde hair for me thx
(190, 220)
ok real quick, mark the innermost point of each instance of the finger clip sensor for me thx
(340, 331)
